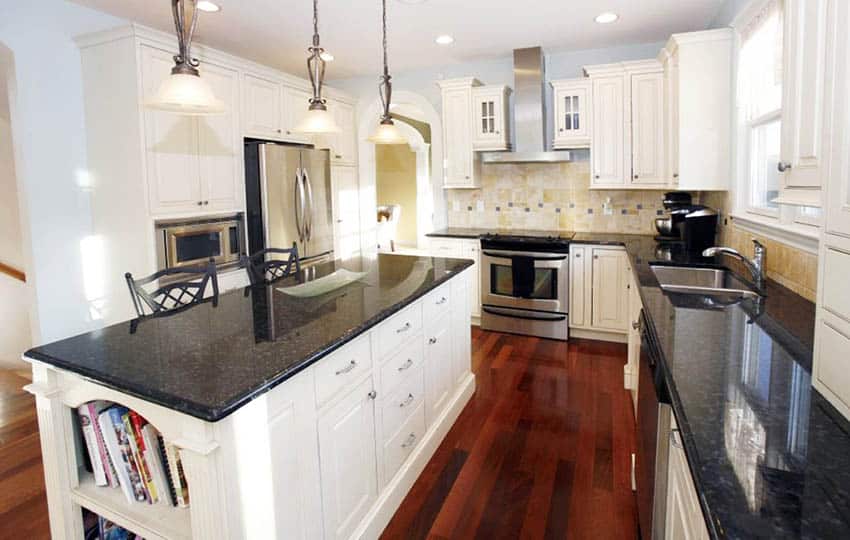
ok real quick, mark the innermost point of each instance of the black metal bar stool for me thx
(174, 296)
(264, 272)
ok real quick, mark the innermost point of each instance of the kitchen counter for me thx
(208, 361)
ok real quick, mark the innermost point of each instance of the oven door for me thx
(193, 245)
(525, 280)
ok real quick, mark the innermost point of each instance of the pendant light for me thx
(317, 119)
(184, 91)
(387, 132)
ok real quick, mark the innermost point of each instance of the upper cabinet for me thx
(295, 107)
(461, 167)
(491, 118)
(608, 144)
(647, 128)
(573, 108)
(342, 145)
(801, 159)
(263, 108)
(698, 109)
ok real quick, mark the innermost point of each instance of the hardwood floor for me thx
(543, 449)
(23, 504)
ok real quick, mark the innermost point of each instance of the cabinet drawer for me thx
(832, 352)
(836, 293)
(399, 328)
(398, 406)
(341, 368)
(446, 248)
(437, 302)
(400, 445)
(401, 364)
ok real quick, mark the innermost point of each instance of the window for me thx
(760, 107)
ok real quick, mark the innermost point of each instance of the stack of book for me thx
(129, 453)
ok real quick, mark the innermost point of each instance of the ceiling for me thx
(277, 33)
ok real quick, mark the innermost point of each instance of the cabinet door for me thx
(488, 122)
(671, 117)
(346, 201)
(572, 118)
(608, 139)
(171, 145)
(648, 128)
(345, 147)
(684, 519)
(438, 371)
(295, 106)
(457, 142)
(837, 199)
(348, 461)
(472, 250)
(219, 144)
(262, 108)
(578, 283)
(461, 331)
(805, 39)
(610, 299)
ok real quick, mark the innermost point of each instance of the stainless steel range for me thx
(525, 283)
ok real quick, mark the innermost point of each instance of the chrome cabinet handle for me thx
(372, 394)
(409, 441)
(347, 368)
(280, 130)
(206, 202)
(578, 255)
(441, 301)
(200, 203)
(673, 441)
(404, 328)
(338, 156)
(407, 401)
(432, 340)
(406, 365)
(783, 166)
(676, 175)
(596, 256)
(635, 325)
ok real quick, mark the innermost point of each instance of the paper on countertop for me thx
(323, 285)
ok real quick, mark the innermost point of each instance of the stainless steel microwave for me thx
(192, 242)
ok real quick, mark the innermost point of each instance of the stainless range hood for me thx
(529, 113)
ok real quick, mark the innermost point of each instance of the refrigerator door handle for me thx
(299, 205)
(309, 217)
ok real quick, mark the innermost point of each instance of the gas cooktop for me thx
(519, 240)
(529, 235)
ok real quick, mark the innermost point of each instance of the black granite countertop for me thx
(208, 361)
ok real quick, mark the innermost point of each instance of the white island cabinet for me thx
(328, 453)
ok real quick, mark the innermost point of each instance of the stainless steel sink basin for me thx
(707, 281)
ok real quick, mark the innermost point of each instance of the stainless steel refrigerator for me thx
(288, 196)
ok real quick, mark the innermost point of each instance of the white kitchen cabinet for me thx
(608, 140)
(296, 103)
(346, 210)
(262, 108)
(632, 367)
(461, 166)
(343, 145)
(438, 367)
(463, 248)
(193, 163)
(491, 118)
(803, 85)
(684, 519)
(610, 298)
(647, 129)
(580, 287)
(698, 109)
(573, 111)
(347, 456)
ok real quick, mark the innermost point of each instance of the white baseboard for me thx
(395, 491)
(598, 335)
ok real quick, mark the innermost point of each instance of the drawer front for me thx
(832, 352)
(341, 368)
(401, 364)
(836, 293)
(446, 248)
(400, 446)
(399, 405)
(399, 328)
(437, 303)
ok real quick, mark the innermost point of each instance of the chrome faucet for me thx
(755, 266)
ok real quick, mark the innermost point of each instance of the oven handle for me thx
(512, 314)
(517, 254)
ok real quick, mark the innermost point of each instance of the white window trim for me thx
(803, 237)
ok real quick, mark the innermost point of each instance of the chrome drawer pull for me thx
(407, 401)
(441, 301)
(404, 328)
(432, 340)
(673, 441)
(409, 441)
(347, 368)
(406, 365)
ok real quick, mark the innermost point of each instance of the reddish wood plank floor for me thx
(23, 504)
(543, 449)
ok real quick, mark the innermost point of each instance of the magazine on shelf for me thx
(136, 450)
(150, 438)
(118, 446)
(181, 490)
(95, 446)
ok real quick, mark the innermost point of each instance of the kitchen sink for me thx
(706, 281)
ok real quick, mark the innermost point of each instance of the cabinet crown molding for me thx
(460, 82)
(703, 36)
(617, 68)
(557, 83)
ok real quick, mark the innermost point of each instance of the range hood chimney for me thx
(529, 113)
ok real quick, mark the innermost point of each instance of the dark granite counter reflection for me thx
(208, 361)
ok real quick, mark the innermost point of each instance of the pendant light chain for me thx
(315, 23)
(385, 89)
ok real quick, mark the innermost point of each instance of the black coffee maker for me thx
(677, 204)
(689, 226)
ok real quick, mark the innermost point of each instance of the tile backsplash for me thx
(551, 196)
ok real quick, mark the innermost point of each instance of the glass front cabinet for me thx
(491, 118)
(572, 104)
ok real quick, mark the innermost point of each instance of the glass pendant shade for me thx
(387, 134)
(188, 94)
(317, 121)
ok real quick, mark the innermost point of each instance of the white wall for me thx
(727, 12)
(50, 151)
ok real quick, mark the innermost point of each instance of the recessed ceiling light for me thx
(607, 17)
(327, 57)
(445, 39)
(206, 5)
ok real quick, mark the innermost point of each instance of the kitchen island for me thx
(300, 410)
